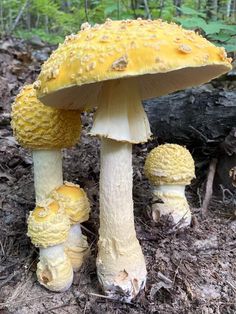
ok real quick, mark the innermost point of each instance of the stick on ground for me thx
(209, 185)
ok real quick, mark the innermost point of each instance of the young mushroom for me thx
(75, 202)
(45, 131)
(170, 168)
(114, 66)
(48, 228)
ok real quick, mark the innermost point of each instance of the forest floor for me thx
(190, 271)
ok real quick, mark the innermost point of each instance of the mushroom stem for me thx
(47, 172)
(171, 200)
(54, 270)
(120, 115)
(76, 246)
(120, 263)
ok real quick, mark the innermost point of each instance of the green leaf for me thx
(190, 11)
(230, 47)
(212, 28)
(192, 23)
(110, 9)
(219, 37)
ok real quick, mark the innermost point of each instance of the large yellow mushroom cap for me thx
(74, 199)
(169, 164)
(48, 224)
(164, 56)
(36, 126)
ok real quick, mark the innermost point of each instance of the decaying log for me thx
(193, 116)
(203, 120)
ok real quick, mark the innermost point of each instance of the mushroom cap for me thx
(169, 164)
(36, 126)
(48, 224)
(165, 58)
(74, 200)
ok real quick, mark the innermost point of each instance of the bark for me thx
(193, 116)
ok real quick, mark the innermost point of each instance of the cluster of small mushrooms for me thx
(113, 67)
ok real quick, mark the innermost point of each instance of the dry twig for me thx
(209, 185)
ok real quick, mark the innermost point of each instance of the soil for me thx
(190, 271)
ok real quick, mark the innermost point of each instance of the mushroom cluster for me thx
(118, 64)
(75, 202)
(48, 228)
(170, 168)
(114, 66)
(54, 225)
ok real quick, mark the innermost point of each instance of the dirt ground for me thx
(193, 271)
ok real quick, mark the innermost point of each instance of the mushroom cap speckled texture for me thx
(163, 57)
(74, 200)
(48, 224)
(169, 164)
(37, 126)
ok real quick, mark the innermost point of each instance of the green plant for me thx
(47, 37)
(219, 31)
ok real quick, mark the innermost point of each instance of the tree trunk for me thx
(177, 4)
(193, 116)
(234, 11)
(148, 13)
(199, 5)
(228, 10)
(205, 122)
(212, 8)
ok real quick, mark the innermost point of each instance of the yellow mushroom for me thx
(75, 202)
(45, 131)
(114, 66)
(48, 228)
(170, 168)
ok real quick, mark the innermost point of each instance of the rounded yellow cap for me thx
(169, 164)
(74, 199)
(48, 224)
(37, 126)
(162, 56)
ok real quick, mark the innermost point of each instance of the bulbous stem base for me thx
(120, 262)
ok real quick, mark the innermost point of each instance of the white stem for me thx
(120, 262)
(120, 115)
(76, 246)
(171, 200)
(52, 252)
(173, 189)
(47, 172)
(75, 234)
(54, 270)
